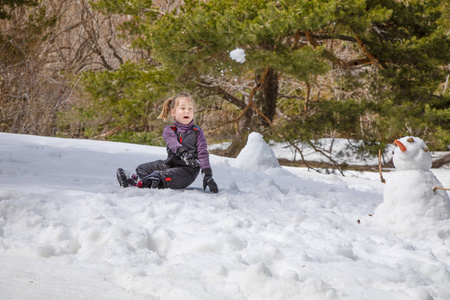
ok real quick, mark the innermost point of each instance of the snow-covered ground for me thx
(68, 231)
(340, 150)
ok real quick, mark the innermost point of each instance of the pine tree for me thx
(389, 84)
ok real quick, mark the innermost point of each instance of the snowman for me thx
(410, 191)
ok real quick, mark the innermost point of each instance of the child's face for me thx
(184, 111)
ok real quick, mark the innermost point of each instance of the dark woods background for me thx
(368, 70)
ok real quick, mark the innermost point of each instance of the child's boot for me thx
(124, 180)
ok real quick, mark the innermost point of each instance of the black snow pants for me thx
(176, 177)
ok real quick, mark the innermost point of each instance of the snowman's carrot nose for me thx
(400, 145)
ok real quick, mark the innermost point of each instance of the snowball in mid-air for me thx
(256, 155)
(238, 55)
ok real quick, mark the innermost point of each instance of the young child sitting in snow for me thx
(186, 149)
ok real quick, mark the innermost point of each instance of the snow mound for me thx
(256, 155)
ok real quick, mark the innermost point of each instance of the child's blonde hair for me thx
(171, 103)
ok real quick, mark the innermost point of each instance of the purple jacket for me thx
(172, 141)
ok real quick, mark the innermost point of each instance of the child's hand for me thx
(190, 160)
(209, 181)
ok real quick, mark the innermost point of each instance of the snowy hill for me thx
(68, 231)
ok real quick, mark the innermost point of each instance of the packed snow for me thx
(68, 231)
(339, 150)
(410, 193)
(264, 160)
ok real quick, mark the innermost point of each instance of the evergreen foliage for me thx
(125, 103)
(365, 69)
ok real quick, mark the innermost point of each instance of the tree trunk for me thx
(245, 124)
(267, 96)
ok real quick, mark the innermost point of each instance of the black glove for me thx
(152, 181)
(209, 181)
(189, 159)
